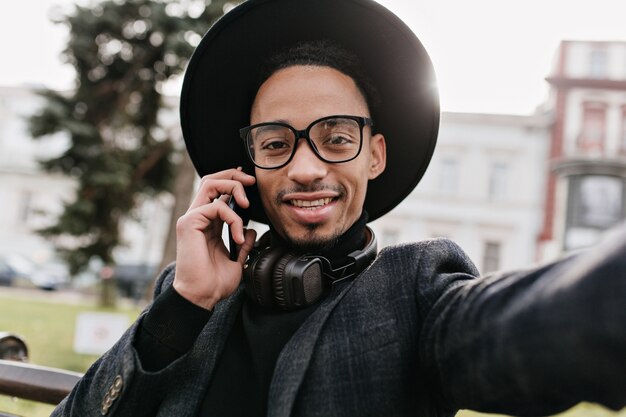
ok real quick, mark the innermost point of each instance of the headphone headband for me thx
(361, 258)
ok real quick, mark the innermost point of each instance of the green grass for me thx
(48, 328)
(581, 410)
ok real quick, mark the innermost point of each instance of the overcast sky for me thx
(490, 55)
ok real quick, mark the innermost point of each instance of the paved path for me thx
(66, 296)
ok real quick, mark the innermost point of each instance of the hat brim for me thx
(222, 75)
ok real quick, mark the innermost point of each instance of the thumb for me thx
(248, 244)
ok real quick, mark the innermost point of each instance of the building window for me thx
(595, 203)
(598, 63)
(448, 176)
(623, 131)
(491, 256)
(591, 138)
(498, 181)
(25, 206)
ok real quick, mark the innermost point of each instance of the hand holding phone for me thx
(204, 272)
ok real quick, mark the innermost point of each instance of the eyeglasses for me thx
(334, 139)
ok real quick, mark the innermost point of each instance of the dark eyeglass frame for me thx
(304, 134)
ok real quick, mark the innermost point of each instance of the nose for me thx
(305, 167)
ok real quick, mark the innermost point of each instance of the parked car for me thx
(19, 270)
(50, 276)
(133, 280)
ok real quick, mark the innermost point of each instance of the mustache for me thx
(310, 188)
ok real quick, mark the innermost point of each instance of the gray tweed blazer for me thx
(416, 334)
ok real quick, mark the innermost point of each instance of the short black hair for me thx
(323, 53)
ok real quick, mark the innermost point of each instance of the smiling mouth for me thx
(311, 204)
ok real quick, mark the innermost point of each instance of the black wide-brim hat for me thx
(223, 74)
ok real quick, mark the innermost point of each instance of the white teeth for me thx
(311, 204)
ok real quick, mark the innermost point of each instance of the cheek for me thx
(268, 190)
(264, 179)
(357, 186)
(359, 193)
(265, 188)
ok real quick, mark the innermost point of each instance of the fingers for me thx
(211, 217)
(229, 182)
(203, 222)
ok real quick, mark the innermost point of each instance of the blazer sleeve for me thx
(529, 342)
(117, 384)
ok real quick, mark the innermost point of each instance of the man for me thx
(337, 128)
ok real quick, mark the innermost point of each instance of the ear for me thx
(378, 155)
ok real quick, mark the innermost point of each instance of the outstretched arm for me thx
(532, 342)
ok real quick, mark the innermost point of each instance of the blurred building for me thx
(585, 185)
(483, 189)
(512, 190)
(30, 199)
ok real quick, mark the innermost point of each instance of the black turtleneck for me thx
(243, 374)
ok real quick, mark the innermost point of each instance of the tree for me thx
(123, 53)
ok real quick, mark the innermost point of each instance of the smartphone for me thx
(232, 246)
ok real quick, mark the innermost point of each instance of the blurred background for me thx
(530, 164)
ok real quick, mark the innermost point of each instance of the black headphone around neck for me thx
(275, 277)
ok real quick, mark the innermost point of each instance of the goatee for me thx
(312, 243)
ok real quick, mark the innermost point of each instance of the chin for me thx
(312, 239)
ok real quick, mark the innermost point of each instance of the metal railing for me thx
(27, 381)
(35, 382)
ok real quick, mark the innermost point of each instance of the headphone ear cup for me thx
(281, 295)
(258, 276)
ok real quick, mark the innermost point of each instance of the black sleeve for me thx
(169, 329)
(532, 342)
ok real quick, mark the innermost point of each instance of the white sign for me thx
(97, 332)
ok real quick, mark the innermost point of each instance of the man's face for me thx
(311, 202)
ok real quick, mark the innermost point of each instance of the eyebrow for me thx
(338, 121)
(274, 121)
(270, 127)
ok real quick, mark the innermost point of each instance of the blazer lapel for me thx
(296, 356)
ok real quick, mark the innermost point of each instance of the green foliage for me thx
(123, 52)
(580, 410)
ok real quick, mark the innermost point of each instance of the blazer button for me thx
(118, 383)
(116, 387)
(106, 404)
(112, 393)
